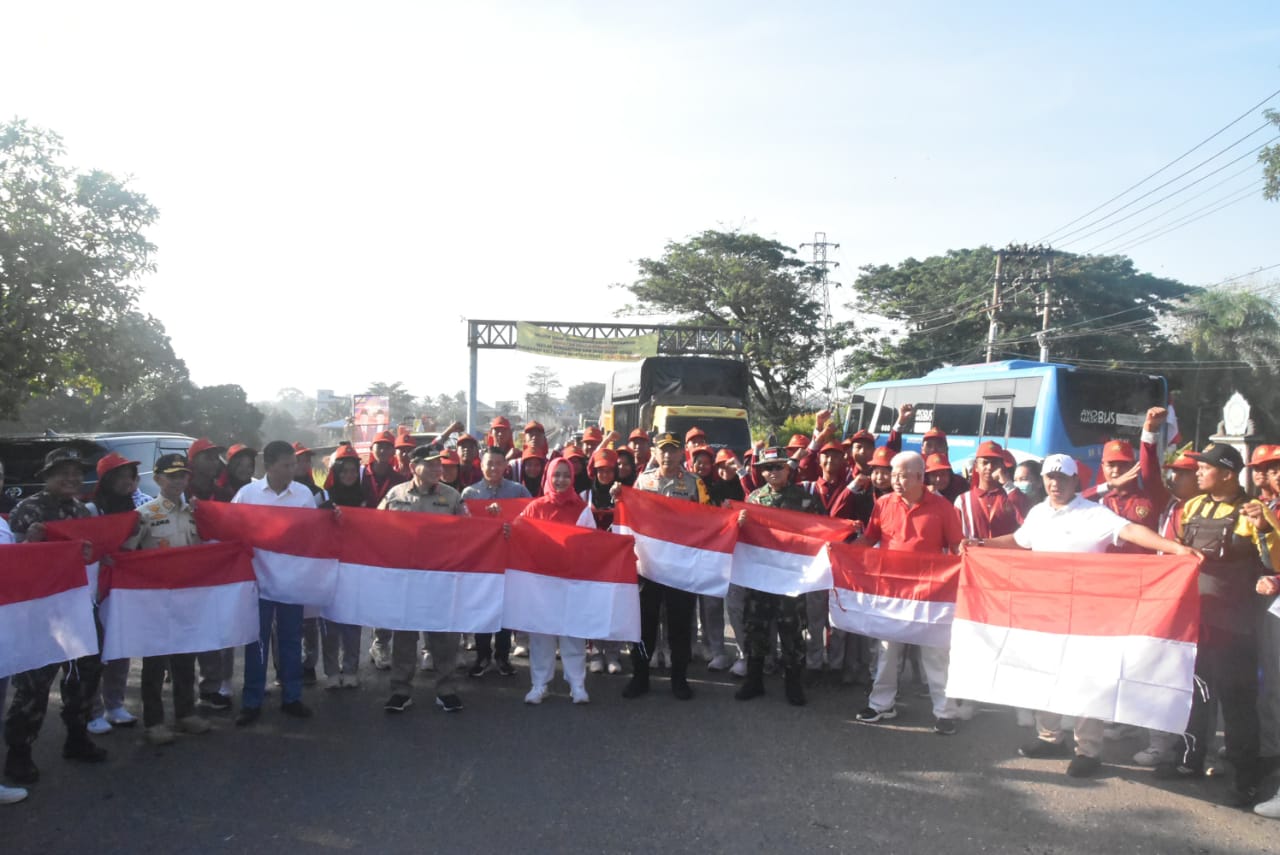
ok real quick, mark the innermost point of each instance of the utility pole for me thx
(1020, 263)
(995, 306)
(826, 379)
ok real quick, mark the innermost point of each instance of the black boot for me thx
(80, 747)
(679, 683)
(639, 678)
(795, 686)
(19, 767)
(753, 686)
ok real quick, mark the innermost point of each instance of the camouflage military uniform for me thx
(761, 608)
(31, 688)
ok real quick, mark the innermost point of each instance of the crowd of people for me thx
(1196, 504)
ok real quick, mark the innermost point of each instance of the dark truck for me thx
(664, 394)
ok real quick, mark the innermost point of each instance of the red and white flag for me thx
(180, 600)
(892, 595)
(784, 552)
(294, 549)
(46, 614)
(679, 543)
(573, 581)
(508, 509)
(105, 534)
(414, 571)
(1103, 636)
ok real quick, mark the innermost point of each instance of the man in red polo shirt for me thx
(642, 447)
(1124, 496)
(988, 509)
(942, 478)
(912, 519)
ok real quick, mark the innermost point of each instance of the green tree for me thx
(403, 404)
(72, 247)
(1269, 157)
(920, 315)
(542, 380)
(584, 400)
(756, 286)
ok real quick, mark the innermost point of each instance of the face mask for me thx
(1024, 486)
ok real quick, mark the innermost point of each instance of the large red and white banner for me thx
(508, 509)
(104, 534)
(893, 596)
(294, 549)
(1110, 637)
(180, 600)
(413, 571)
(573, 581)
(46, 614)
(679, 543)
(784, 552)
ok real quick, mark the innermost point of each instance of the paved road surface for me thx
(651, 775)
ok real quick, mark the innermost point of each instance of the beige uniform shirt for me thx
(683, 485)
(163, 523)
(440, 499)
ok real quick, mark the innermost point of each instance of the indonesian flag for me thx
(508, 509)
(179, 600)
(105, 535)
(784, 552)
(892, 595)
(295, 550)
(679, 543)
(573, 581)
(415, 571)
(45, 611)
(1175, 433)
(1103, 636)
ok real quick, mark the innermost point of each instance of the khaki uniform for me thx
(440, 499)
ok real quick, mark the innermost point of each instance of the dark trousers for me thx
(1226, 674)
(680, 608)
(789, 612)
(499, 645)
(182, 668)
(31, 698)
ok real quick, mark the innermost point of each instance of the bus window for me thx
(995, 419)
(1025, 399)
(957, 408)
(1098, 406)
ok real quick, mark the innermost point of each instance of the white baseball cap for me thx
(1059, 463)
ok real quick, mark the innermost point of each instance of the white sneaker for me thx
(719, 662)
(158, 734)
(428, 664)
(1270, 808)
(380, 656)
(535, 696)
(333, 682)
(350, 681)
(1150, 757)
(11, 795)
(520, 651)
(613, 666)
(596, 666)
(739, 668)
(579, 695)
(192, 724)
(121, 717)
(99, 726)
(966, 710)
(225, 689)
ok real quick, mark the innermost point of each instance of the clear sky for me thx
(341, 184)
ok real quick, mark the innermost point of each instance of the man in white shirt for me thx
(1066, 522)
(276, 489)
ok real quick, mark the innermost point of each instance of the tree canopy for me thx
(1270, 159)
(754, 285)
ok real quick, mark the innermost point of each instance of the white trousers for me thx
(542, 659)
(884, 691)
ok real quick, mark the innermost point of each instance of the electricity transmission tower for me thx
(824, 376)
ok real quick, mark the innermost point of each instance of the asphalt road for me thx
(649, 775)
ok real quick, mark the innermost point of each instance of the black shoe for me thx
(871, 715)
(794, 687)
(248, 716)
(398, 703)
(753, 685)
(680, 682)
(1083, 766)
(479, 669)
(449, 703)
(19, 767)
(1040, 748)
(308, 676)
(1240, 797)
(81, 747)
(297, 709)
(636, 686)
(214, 702)
(1177, 771)
(944, 726)
(506, 669)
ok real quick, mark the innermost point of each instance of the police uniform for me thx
(680, 605)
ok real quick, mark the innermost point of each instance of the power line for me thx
(1254, 185)
(1180, 157)
(1150, 237)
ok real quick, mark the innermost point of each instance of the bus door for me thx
(996, 420)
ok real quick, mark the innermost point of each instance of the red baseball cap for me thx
(726, 455)
(592, 432)
(532, 451)
(1117, 451)
(1182, 463)
(573, 451)
(937, 463)
(346, 452)
(935, 433)
(202, 445)
(638, 434)
(1009, 461)
(882, 456)
(450, 457)
(1264, 454)
(533, 426)
(834, 447)
(990, 449)
(404, 440)
(604, 459)
(798, 440)
(113, 461)
(466, 437)
(386, 436)
(240, 449)
(299, 449)
(863, 436)
(500, 422)
(693, 432)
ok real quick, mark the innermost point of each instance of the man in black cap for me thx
(671, 479)
(1231, 531)
(63, 475)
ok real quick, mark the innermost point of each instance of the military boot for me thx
(795, 686)
(639, 683)
(753, 686)
(80, 747)
(19, 767)
(679, 682)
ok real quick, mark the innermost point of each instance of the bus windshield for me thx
(721, 433)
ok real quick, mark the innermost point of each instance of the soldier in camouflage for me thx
(63, 475)
(774, 468)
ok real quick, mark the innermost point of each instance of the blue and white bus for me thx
(1031, 408)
